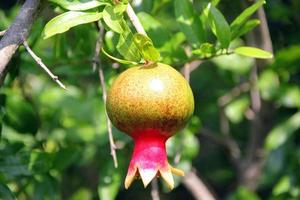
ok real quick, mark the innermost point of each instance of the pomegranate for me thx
(150, 103)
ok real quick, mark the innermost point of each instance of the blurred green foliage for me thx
(54, 143)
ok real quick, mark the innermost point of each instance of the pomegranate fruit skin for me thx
(150, 103)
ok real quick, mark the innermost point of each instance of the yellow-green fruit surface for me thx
(151, 97)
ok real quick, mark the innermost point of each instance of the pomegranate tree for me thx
(150, 103)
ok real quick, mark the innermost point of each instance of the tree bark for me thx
(16, 34)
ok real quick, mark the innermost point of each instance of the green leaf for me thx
(65, 157)
(113, 19)
(253, 52)
(67, 20)
(269, 84)
(146, 47)
(243, 193)
(189, 23)
(283, 185)
(127, 47)
(45, 187)
(218, 25)
(40, 162)
(215, 2)
(109, 185)
(239, 22)
(281, 133)
(82, 193)
(248, 26)
(289, 96)
(14, 166)
(236, 109)
(205, 50)
(126, 62)
(5, 193)
(158, 33)
(77, 5)
(20, 114)
(110, 179)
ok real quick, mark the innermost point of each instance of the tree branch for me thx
(16, 34)
(154, 190)
(38, 60)
(233, 93)
(189, 67)
(263, 112)
(196, 186)
(224, 141)
(97, 64)
(135, 20)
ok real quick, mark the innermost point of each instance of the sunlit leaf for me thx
(114, 20)
(205, 50)
(218, 25)
(78, 5)
(243, 193)
(239, 22)
(158, 33)
(67, 20)
(269, 84)
(282, 132)
(126, 62)
(146, 47)
(253, 52)
(236, 109)
(6, 193)
(247, 27)
(127, 47)
(289, 96)
(189, 23)
(40, 162)
(82, 193)
(283, 185)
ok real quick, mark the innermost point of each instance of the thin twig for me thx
(135, 20)
(38, 60)
(97, 64)
(154, 190)
(226, 99)
(2, 32)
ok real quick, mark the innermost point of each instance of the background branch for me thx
(196, 186)
(225, 141)
(16, 34)
(154, 189)
(251, 166)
